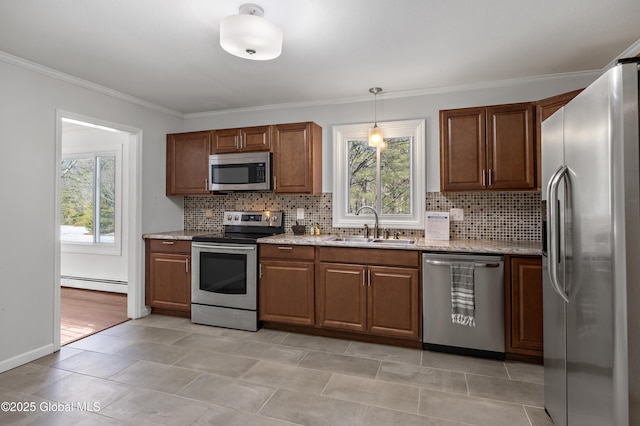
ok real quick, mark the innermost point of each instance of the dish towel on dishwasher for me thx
(462, 294)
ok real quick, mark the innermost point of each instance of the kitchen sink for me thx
(382, 241)
(354, 239)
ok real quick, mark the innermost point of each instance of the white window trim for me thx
(114, 249)
(341, 135)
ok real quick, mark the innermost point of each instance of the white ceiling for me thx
(167, 52)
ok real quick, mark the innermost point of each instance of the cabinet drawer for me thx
(170, 246)
(382, 257)
(287, 251)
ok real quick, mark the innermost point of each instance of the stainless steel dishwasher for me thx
(486, 339)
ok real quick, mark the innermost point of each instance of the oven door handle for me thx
(214, 247)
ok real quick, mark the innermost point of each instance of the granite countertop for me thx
(458, 246)
(455, 246)
(175, 235)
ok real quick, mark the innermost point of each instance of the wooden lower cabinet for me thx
(286, 290)
(524, 307)
(341, 297)
(168, 276)
(374, 299)
(393, 301)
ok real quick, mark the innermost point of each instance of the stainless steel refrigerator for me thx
(591, 254)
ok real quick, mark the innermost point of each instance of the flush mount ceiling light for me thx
(376, 138)
(250, 36)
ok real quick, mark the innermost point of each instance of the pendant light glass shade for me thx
(376, 138)
(250, 36)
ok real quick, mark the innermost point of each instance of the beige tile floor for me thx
(164, 370)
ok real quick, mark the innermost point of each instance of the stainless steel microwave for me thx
(247, 171)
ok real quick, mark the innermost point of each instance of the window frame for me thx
(95, 247)
(406, 128)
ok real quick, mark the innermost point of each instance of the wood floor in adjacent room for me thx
(85, 312)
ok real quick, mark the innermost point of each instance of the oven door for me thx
(224, 275)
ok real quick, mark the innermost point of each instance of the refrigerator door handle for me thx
(554, 232)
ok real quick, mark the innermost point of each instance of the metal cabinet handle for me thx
(484, 182)
(475, 264)
(206, 184)
(369, 277)
(490, 175)
(186, 265)
(169, 243)
(284, 248)
(275, 183)
(363, 275)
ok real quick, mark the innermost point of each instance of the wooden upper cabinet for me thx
(248, 139)
(487, 148)
(463, 158)
(544, 109)
(297, 158)
(187, 163)
(510, 147)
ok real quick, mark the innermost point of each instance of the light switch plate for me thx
(456, 214)
(208, 213)
(300, 213)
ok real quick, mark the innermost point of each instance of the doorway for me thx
(98, 211)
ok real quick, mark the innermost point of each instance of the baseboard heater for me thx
(101, 284)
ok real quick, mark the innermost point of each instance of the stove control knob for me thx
(274, 218)
(229, 217)
(236, 217)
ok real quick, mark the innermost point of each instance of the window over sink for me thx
(390, 179)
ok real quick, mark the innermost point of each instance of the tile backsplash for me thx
(487, 215)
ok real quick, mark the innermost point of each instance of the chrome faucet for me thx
(375, 213)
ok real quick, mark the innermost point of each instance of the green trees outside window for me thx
(88, 199)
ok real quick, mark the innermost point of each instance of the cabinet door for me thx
(226, 140)
(510, 147)
(526, 306)
(462, 149)
(297, 158)
(187, 163)
(287, 292)
(170, 281)
(256, 138)
(341, 297)
(394, 302)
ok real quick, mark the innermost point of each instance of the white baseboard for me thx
(26, 357)
(94, 285)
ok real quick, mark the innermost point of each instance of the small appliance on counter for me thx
(224, 277)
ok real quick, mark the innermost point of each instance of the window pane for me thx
(77, 199)
(107, 196)
(362, 175)
(395, 176)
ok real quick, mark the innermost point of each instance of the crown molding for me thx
(67, 78)
(592, 74)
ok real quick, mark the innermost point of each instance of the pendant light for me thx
(376, 138)
(250, 36)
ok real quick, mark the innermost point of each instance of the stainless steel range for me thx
(224, 278)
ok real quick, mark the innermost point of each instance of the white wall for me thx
(28, 104)
(392, 108)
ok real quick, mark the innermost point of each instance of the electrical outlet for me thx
(208, 213)
(300, 213)
(456, 214)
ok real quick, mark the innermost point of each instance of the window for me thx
(88, 199)
(392, 180)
